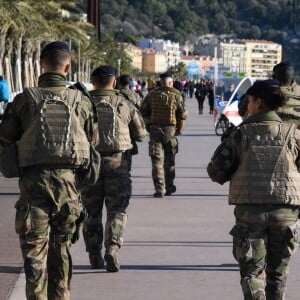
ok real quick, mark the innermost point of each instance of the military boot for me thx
(171, 190)
(96, 261)
(111, 258)
(158, 195)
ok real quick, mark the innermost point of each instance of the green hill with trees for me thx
(182, 20)
(26, 25)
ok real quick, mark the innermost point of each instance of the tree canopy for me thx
(182, 20)
(187, 20)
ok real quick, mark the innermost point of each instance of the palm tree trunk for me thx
(18, 71)
(7, 61)
(2, 50)
(36, 60)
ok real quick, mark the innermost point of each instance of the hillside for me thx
(182, 20)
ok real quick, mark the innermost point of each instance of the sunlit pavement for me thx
(175, 248)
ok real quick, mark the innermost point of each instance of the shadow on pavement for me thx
(10, 269)
(222, 267)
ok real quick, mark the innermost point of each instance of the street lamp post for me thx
(79, 63)
(119, 67)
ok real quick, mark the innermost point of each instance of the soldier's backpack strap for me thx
(74, 98)
(287, 131)
(36, 96)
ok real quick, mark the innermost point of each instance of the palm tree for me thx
(26, 25)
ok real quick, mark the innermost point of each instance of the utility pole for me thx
(93, 12)
(70, 72)
(119, 67)
(216, 69)
(79, 62)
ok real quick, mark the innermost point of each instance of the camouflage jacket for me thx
(17, 118)
(230, 161)
(132, 96)
(290, 112)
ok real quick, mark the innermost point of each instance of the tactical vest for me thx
(163, 108)
(290, 112)
(267, 173)
(55, 136)
(114, 132)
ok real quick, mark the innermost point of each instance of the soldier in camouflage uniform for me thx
(49, 196)
(261, 160)
(131, 95)
(164, 113)
(284, 73)
(135, 99)
(120, 123)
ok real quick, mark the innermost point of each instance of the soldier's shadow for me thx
(10, 269)
(84, 269)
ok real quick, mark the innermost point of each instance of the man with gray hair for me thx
(164, 114)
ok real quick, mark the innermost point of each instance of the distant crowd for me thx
(189, 88)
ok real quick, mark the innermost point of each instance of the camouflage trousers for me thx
(163, 147)
(264, 238)
(48, 201)
(114, 190)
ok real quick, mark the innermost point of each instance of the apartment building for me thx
(170, 49)
(262, 57)
(256, 58)
(154, 61)
(136, 55)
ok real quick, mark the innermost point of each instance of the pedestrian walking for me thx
(51, 126)
(136, 100)
(211, 96)
(4, 94)
(164, 113)
(261, 161)
(191, 87)
(200, 94)
(4, 90)
(120, 124)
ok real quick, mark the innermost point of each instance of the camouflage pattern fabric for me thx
(114, 185)
(163, 147)
(132, 96)
(224, 161)
(136, 100)
(49, 200)
(114, 189)
(163, 144)
(290, 112)
(264, 238)
(51, 203)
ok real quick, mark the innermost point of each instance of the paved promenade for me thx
(175, 248)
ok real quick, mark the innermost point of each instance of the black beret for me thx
(104, 71)
(165, 75)
(58, 45)
(260, 87)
